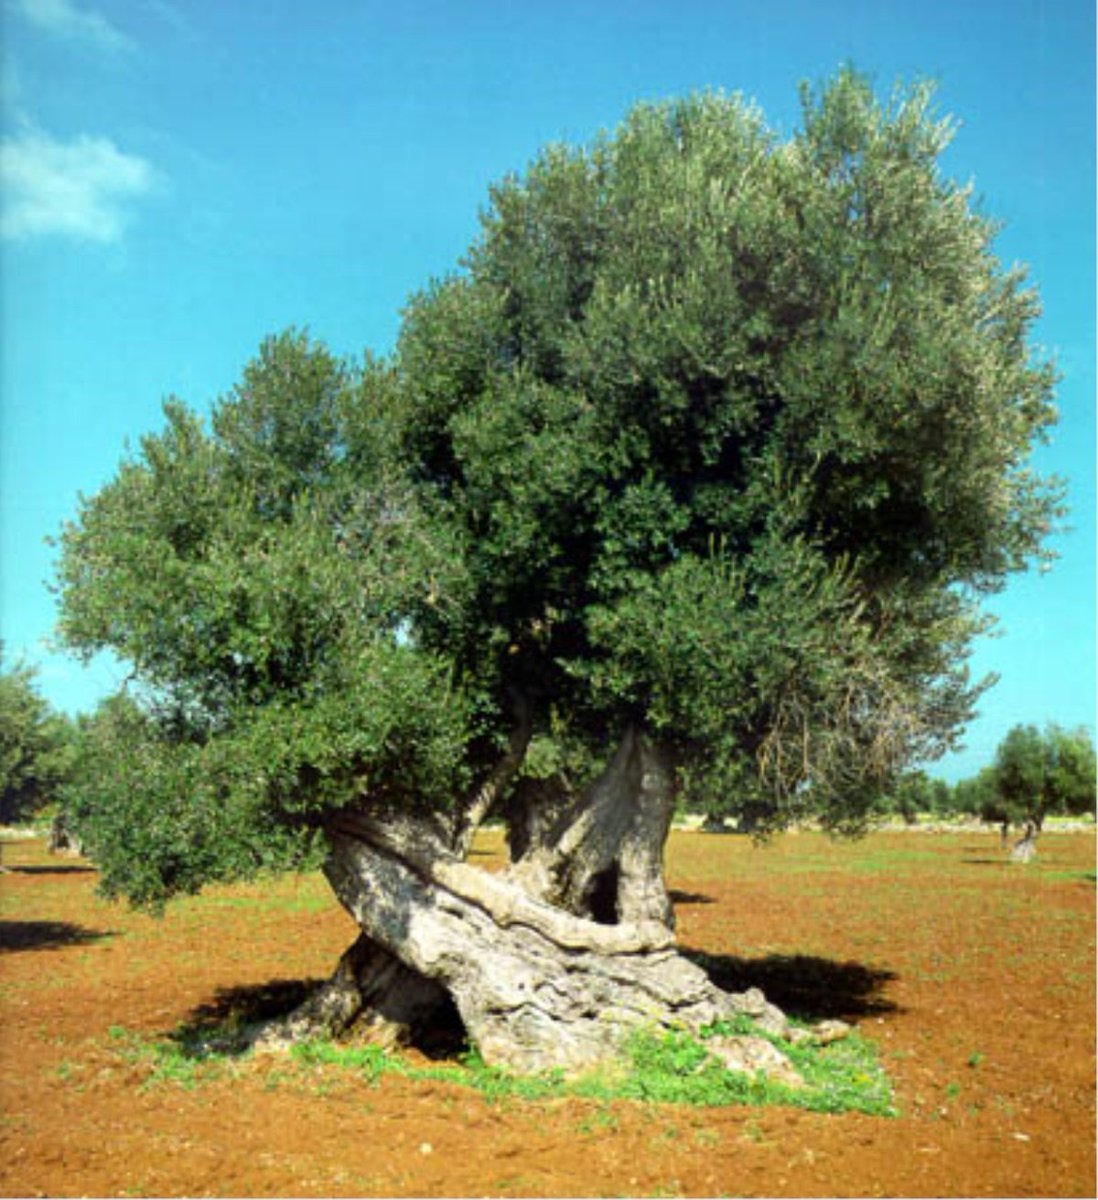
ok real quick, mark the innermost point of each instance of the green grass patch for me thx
(172, 1060)
(1090, 877)
(657, 1067)
(663, 1068)
(677, 1068)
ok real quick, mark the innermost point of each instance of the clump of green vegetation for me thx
(666, 1067)
(677, 1068)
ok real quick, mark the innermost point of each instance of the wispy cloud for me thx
(80, 189)
(66, 19)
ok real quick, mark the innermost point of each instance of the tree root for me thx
(371, 996)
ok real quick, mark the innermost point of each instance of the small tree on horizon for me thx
(694, 475)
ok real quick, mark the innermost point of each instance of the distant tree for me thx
(35, 745)
(912, 793)
(972, 796)
(941, 798)
(696, 472)
(916, 792)
(1038, 774)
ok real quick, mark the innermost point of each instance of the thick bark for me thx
(536, 987)
(550, 963)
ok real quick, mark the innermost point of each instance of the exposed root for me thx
(370, 995)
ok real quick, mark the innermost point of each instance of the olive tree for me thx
(915, 792)
(692, 477)
(1037, 774)
(35, 745)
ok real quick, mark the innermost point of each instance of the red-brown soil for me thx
(975, 979)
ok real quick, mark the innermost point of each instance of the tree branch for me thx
(477, 806)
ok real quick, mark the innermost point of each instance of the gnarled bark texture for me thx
(550, 963)
(1024, 849)
(600, 854)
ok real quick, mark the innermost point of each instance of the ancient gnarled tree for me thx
(691, 477)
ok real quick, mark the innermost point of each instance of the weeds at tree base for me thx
(169, 1060)
(663, 1068)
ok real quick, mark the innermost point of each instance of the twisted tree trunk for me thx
(551, 963)
(1024, 849)
(602, 854)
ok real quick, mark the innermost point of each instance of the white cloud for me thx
(66, 19)
(79, 189)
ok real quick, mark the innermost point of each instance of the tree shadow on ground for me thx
(803, 986)
(71, 869)
(226, 1024)
(678, 897)
(250, 1003)
(222, 1025)
(46, 935)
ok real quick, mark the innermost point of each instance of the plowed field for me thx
(975, 978)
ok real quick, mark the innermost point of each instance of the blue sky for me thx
(182, 178)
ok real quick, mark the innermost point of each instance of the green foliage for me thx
(36, 746)
(164, 815)
(1036, 774)
(780, 384)
(268, 608)
(714, 433)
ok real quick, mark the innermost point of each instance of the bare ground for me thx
(975, 978)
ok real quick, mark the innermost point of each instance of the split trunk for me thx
(549, 963)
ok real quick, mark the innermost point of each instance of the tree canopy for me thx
(714, 433)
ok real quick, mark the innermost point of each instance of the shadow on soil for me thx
(689, 898)
(803, 986)
(69, 870)
(250, 1003)
(46, 935)
(223, 1024)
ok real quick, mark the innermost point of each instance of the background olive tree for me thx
(1037, 774)
(36, 746)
